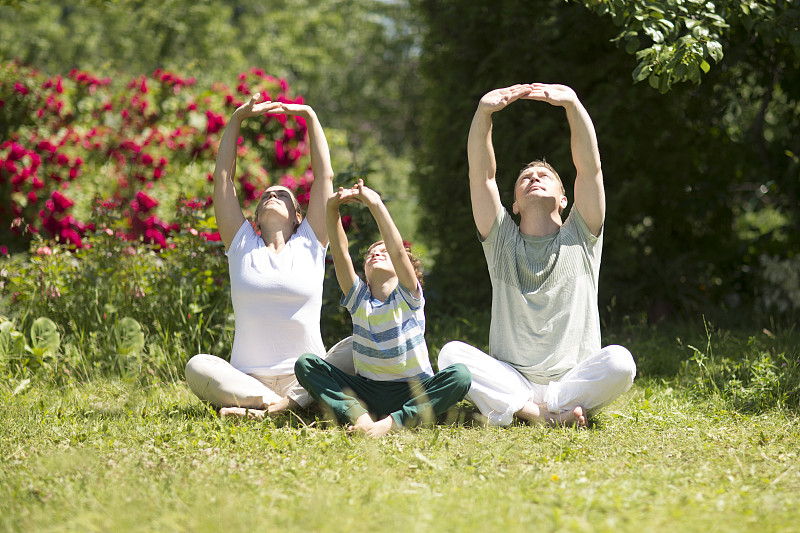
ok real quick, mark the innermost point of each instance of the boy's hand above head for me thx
(365, 195)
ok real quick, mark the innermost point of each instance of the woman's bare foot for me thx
(242, 412)
(366, 425)
(281, 405)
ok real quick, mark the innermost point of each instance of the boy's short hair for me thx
(415, 262)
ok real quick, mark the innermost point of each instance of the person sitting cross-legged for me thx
(546, 364)
(394, 381)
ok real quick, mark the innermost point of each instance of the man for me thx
(546, 363)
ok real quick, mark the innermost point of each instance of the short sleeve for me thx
(358, 292)
(414, 303)
(243, 235)
(576, 219)
(306, 232)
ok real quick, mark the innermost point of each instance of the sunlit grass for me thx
(110, 456)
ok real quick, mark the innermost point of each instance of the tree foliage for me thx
(355, 61)
(676, 40)
(701, 180)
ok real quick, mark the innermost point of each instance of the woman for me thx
(276, 279)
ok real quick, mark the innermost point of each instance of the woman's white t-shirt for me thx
(277, 299)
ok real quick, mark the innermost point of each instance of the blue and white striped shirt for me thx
(388, 337)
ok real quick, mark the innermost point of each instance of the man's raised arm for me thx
(590, 199)
(480, 152)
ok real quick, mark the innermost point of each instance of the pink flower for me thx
(289, 182)
(4, 249)
(44, 250)
(21, 89)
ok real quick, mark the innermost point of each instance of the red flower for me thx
(347, 220)
(70, 236)
(215, 122)
(60, 202)
(152, 235)
(214, 237)
(144, 203)
(21, 89)
(17, 152)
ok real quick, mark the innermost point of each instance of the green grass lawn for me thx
(112, 456)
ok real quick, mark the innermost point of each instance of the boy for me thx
(394, 380)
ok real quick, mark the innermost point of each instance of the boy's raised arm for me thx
(391, 237)
(342, 262)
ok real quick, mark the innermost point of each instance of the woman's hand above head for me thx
(253, 108)
(286, 108)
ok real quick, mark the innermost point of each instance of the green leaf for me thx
(705, 66)
(632, 45)
(714, 50)
(641, 72)
(45, 338)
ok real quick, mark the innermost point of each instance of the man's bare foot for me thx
(243, 412)
(576, 417)
(538, 414)
(366, 425)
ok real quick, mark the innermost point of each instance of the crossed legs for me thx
(500, 392)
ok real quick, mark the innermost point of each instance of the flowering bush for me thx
(137, 145)
(107, 188)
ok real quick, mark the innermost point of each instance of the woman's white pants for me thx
(498, 390)
(216, 381)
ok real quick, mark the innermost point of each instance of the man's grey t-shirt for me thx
(544, 296)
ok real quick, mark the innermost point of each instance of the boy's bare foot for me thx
(366, 425)
(381, 428)
(242, 412)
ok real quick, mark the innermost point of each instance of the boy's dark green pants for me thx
(408, 402)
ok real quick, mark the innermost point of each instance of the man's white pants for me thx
(216, 381)
(499, 390)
